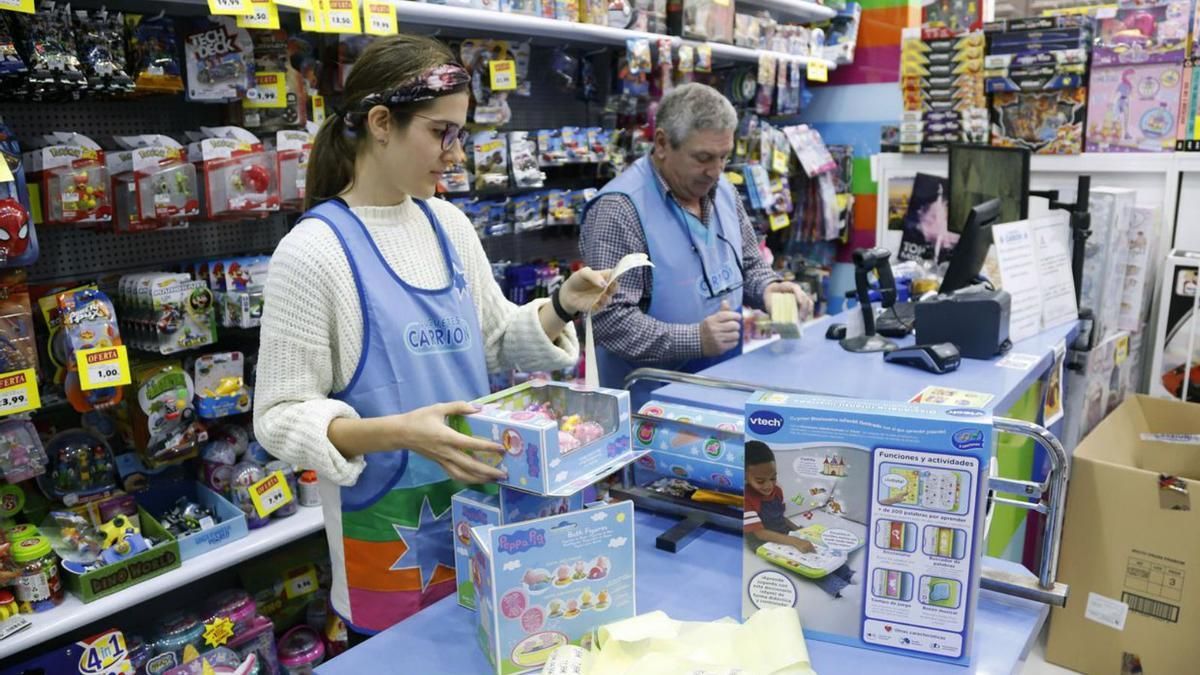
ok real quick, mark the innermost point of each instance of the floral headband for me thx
(431, 84)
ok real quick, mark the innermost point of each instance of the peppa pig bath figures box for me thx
(472, 508)
(701, 446)
(558, 438)
(882, 504)
(545, 583)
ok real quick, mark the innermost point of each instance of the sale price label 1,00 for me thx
(102, 367)
(19, 392)
(270, 493)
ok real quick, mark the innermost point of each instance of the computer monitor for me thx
(979, 173)
(972, 248)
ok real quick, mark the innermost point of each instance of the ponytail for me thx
(330, 162)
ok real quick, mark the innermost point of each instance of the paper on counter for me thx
(591, 376)
(770, 643)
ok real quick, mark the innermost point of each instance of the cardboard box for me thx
(230, 522)
(888, 495)
(159, 559)
(1176, 347)
(535, 459)
(703, 447)
(545, 583)
(1130, 554)
(472, 508)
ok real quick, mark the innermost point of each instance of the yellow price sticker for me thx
(312, 18)
(270, 91)
(300, 581)
(503, 75)
(379, 18)
(103, 367)
(1122, 350)
(818, 71)
(779, 221)
(270, 494)
(342, 16)
(218, 631)
(779, 161)
(19, 392)
(230, 7)
(264, 15)
(6, 174)
(23, 6)
(318, 103)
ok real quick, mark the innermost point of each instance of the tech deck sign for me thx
(102, 367)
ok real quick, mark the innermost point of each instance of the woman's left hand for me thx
(586, 290)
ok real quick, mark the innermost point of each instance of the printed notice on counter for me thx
(956, 397)
(1035, 269)
(918, 572)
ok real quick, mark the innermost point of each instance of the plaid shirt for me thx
(613, 230)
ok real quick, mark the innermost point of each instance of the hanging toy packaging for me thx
(239, 176)
(81, 468)
(220, 60)
(165, 428)
(21, 454)
(18, 350)
(54, 68)
(100, 37)
(220, 385)
(74, 180)
(153, 183)
(18, 236)
(89, 322)
(292, 149)
(490, 150)
(153, 46)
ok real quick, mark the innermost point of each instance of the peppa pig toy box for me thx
(558, 438)
(545, 583)
(472, 508)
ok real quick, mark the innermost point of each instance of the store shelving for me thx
(790, 10)
(73, 613)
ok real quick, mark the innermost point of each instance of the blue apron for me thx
(420, 347)
(685, 288)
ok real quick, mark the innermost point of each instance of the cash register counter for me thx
(703, 580)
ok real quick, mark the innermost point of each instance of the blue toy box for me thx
(889, 501)
(703, 447)
(548, 582)
(472, 508)
(558, 438)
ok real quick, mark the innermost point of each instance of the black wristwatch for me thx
(559, 309)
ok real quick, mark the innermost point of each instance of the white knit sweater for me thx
(312, 325)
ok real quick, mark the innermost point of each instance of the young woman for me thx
(382, 318)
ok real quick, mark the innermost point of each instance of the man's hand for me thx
(804, 304)
(721, 331)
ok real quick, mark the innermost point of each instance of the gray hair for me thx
(694, 107)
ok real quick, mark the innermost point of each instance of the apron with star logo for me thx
(392, 533)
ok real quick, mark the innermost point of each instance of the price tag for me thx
(230, 7)
(779, 161)
(23, 6)
(818, 71)
(300, 581)
(1122, 350)
(19, 392)
(102, 367)
(503, 75)
(270, 493)
(296, 4)
(270, 91)
(313, 18)
(779, 221)
(318, 103)
(342, 16)
(379, 18)
(264, 15)
(6, 175)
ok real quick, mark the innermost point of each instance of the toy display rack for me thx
(1047, 498)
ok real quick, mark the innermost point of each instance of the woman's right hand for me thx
(425, 431)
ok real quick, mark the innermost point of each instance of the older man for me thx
(674, 205)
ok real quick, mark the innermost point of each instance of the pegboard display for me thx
(552, 243)
(103, 119)
(69, 254)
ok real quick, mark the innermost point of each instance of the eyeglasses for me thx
(453, 132)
